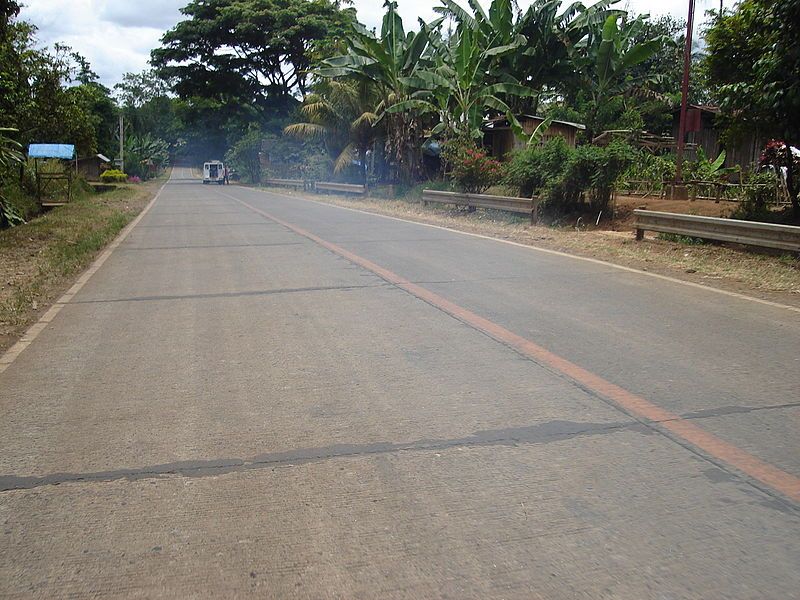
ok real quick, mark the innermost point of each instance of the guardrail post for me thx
(639, 234)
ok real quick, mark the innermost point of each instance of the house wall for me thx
(89, 167)
(502, 141)
(744, 152)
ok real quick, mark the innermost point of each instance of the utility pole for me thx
(121, 142)
(687, 61)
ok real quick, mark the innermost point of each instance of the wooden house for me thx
(500, 140)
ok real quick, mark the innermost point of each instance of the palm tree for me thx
(340, 114)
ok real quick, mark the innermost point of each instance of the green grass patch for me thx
(38, 258)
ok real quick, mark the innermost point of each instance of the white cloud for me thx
(153, 14)
(117, 35)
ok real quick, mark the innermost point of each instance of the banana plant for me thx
(145, 153)
(459, 89)
(387, 61)
(544, 60)
(605, 56)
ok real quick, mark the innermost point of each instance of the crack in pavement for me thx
(543, 433)
(734, 410)
(230, 294)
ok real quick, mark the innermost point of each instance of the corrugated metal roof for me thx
(65, 151)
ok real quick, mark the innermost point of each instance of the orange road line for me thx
(636, 406)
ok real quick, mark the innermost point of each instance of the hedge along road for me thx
(261, 395)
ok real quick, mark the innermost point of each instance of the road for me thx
(263, 395)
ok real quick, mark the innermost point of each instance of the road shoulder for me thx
(42, 259)
(760, 275)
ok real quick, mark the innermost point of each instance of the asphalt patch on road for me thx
(344, 288)
(543, 433)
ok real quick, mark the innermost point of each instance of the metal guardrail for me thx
(528, 206)
(752, 233)
(349, 188)
(294, 183)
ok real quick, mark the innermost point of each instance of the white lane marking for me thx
(596, 261)
(34, 330)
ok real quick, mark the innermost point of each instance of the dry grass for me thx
(766, 275)
(39, 260)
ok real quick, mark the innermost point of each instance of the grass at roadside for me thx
(765, 275)
(39, 260)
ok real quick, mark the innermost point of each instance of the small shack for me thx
(45, 156)
(499, 138)
(90, 167)
(702, 131)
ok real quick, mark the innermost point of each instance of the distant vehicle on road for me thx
(214, 172)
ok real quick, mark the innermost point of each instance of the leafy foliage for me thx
(471, 169)
(759, 195)
(255, 49)
(591, 171)
(605, 60)
(245, 156)
(753, 61)
(10, 157)
(535, 167)
(340, 115)
(145, 155)
(387, 61)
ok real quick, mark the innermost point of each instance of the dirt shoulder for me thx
(41, 259)
(764, 275)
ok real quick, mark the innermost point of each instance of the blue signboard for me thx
(65, 151)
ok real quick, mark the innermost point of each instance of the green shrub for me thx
(532, 169)
(113, 176)
(759, 194)
(244, 156)
(650, 167)
(591, 171)
(601, 168)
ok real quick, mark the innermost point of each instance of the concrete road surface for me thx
(258, 395)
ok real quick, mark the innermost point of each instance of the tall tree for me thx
(754, 65)
(247, 49)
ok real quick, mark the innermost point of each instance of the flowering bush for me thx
(134, 179)
(775, 154)
(472, 170)
(113, 176)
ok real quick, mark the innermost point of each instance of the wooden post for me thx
(639, 234)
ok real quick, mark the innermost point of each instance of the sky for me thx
(117, 35)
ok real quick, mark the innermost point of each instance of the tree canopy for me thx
(254, 49)
(754, 65)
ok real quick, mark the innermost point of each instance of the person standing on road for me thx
(225, 175)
